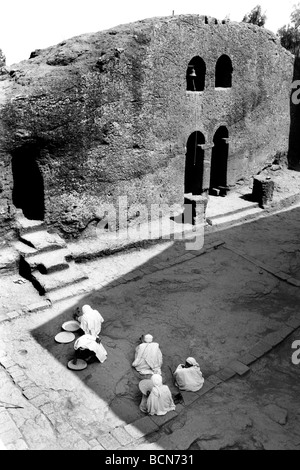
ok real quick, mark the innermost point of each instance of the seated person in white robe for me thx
(148, 357)
(90, 320)
(89, 348)
(158, 398)
(188, 376)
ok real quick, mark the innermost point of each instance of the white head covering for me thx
(148, 338)
(91, 321)
(192, 361)
(157, 383)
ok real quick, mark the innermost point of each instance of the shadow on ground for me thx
(213, 307)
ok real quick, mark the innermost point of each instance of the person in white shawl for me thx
(157, 398)
(188, 376)
(90, 322)
(89, 342)
(148, 357)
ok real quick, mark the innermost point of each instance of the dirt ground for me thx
(213, 307)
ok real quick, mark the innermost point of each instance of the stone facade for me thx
(109, 114)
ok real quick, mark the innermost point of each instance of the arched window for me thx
(224, 70)
(195, 74)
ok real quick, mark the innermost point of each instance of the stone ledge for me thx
(108, 441)
(247, 359)
(122, 436)
(282, 275)
(189, 397)
(142, 427)
(38, 306)
(294, 282)
(260, 349)
(12, 315)
(207, 386)
(31, 392)
(225, 374)
(239, 367)
(214, 379)
(161, 420)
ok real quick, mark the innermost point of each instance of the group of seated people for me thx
(156, 397)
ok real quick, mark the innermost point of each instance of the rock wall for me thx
(108, 114)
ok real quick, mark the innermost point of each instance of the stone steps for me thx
(44, 261)
(237, 211)
(43, 241)
(227, 220)
(51, 282)
(48, 262)
(70, 291)
(29, 226)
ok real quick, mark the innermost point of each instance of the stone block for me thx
(260, 349)
(122, 436)
(262, 192)
(207, 386)
(239, 367)
(142, 427)
(247, 359)
(31, 392)
(161, 420)
(108, 442)
(214, 379)
(225, 374)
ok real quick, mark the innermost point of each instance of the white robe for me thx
(148, 359)
(189, 379)
(160, 401)
(89, 342)
(91, 321)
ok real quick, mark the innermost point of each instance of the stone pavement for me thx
(32, 382)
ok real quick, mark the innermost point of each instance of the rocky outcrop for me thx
(106, 115)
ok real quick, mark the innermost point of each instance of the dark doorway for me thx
(195, 74)
(223, 77)
(28, 189)
(218, 169)
(194, 164)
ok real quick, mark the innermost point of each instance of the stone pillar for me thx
(198, 212)
(262, 192)
(207, 148)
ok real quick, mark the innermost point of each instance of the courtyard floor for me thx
(236, 299)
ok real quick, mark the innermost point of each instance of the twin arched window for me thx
(196, 70)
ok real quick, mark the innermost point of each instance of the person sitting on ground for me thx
(158, 398)
(89, 348)
(90, 320)
(145, 387)
(148, 357)
(188, 376)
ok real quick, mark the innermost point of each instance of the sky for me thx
(27, 25)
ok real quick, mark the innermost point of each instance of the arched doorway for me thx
(195, 74)
(218, 169)
(28, 185)
(193, 182)
(223, 77)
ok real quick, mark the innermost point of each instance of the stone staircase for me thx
(45, 261)
(223, 215)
